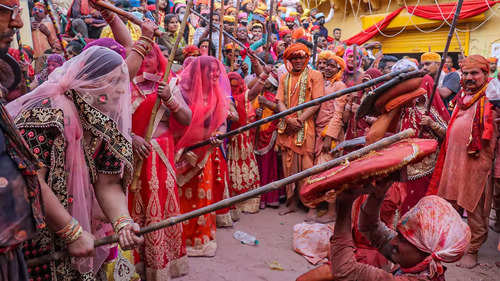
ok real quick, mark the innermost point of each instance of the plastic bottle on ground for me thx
(245, 238)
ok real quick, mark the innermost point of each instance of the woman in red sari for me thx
(243, 169)
(205, 87)
(413, 115)
(156, 197)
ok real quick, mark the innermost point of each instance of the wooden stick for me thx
(149, 132)
(22, 57)
(303, 106)
(210, 27)
(238, 6)
(244, 196)
(56, 28)
(125, 14)
(228, 36)
(445, 53)
(269, 30)
(221, 27)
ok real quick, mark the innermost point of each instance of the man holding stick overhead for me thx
(296, 132)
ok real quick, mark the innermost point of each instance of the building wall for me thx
(480, 40)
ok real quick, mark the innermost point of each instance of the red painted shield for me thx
(323, 186)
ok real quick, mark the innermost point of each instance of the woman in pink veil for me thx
(78, 124)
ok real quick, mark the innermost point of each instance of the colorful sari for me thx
(157, 199)
(267, 156)
(197, 170)
(419, 174)
(243, 169)
(77, 123)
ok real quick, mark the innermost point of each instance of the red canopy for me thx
(432, 12)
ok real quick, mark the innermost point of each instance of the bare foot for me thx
(287, 211)
(311, 215)
(468, 261)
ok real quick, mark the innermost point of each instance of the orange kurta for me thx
(314, 90)
(329, 121)
(298, 157)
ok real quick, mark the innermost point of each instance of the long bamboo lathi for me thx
(56, 28)
(238, 6)
(445, 53)
(149, 132)
(228, 35)
(129, 16)
(221, 27)
(402, 74)
(244, 196)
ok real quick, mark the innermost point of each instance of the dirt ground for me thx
(235, 261)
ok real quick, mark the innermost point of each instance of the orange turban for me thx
(430, 56)
(296, 50)
(298, 33)
(231, 46)
(493, 60)
(474, 61)
(329, 55)
(339, 50)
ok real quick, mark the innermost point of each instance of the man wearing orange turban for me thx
(329, 123)
(296, 132)
(463, 170)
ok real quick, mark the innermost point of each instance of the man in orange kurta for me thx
(463, 173)
(296, 137)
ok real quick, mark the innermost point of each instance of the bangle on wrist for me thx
(71, 232)
(122, 222)
(146, 39)
(139, 53)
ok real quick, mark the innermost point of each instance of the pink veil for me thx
(207, 99)
(100, 77)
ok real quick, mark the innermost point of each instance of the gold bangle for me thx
(138, 52)
(122, 222)
(146, 38)
(71, 232)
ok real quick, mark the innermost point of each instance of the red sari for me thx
(200, 172)
(164, 251)
(419, 175)
(196, 191)
(243, 169)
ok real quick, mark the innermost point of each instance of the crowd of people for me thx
(76, 123)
